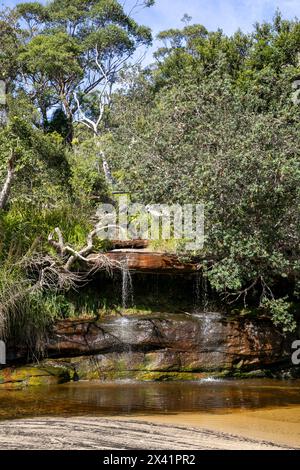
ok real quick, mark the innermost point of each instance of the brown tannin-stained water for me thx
(133, 399)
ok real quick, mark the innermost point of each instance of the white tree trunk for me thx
(6, 189)
(108, 176)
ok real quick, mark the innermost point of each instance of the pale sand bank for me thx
(278, 425)
(116, 433)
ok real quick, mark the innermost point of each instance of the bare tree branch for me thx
(70, 255)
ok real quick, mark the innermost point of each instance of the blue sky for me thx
(226, 14)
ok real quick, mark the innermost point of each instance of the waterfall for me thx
(200, 291)
(125, 331)
(197, 289)
(209, 324)
(127, 287)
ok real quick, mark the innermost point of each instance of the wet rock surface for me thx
(205, 341)
(37, 374)
(155, 347)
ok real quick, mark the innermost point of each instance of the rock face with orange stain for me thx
(195, 342)
(159, 347)
(144, 261)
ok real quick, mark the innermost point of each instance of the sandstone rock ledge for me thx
(143, 261)
(154, 347)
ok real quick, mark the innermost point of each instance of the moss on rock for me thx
(19, 377)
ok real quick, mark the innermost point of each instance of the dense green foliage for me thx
(216, 124)
(212, 121)
(51, 177)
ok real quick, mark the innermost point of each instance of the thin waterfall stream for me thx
(127, 287)
(126, 333)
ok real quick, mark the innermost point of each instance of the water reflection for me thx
(98, 399)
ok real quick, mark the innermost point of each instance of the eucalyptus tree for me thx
(73, 48)
(9, 46)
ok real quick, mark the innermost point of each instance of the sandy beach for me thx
(155, 432)
(281, 426)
